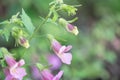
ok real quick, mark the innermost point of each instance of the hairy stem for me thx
(37, 28)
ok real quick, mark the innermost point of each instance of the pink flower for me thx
(46, 75)
(35, 73)
(62, 51)
(14, 70)
(54, 61)
(72, 29)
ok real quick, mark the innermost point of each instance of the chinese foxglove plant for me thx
(21, 30)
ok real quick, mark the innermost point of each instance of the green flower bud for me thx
(15, 19)
(18, 35)
(24, 42)
(71, 10)
(63, 22)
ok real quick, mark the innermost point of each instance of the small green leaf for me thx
(2, 62)
(1, 32)
(4, 22)
(1, 55)
(6, 34)
(41, 67)
(27, 22)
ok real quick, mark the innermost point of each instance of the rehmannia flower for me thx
(47, 75)
(69, 27)
(54, 61)
(14, 70)
(35, 73)
(24, 42)
(62, 51)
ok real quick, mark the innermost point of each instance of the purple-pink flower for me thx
(14, 70)
(35, 73)
(24, 42)
(62, 51)
(54, 61)
(70, 28)
(47, 75)
(73, 29)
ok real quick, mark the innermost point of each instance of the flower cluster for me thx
(17, 33)
(14, 70)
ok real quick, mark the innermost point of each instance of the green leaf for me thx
(110, 57)
(41, 67)
(27, 22)
(6, 34)
(1, 55)
(1, 32)
(4, 22)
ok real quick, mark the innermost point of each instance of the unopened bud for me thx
(72, 28)
(24, 42)
(63, 22)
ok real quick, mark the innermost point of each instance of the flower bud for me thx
(71, 10)
(17, 20)
(24, 42)
(72, 29)
(63, 22)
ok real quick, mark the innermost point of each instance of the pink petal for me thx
(10, 60)
(6, 71)
(9, 77)
(46, 75)
(68, 48)
(62, 49)
(70, 27)
(66, 58)
(18, 73)
(58, 76)
(36, 73)
(56, 45)
(54, 61)
(21, 62)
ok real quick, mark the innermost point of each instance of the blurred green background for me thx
(96, 50)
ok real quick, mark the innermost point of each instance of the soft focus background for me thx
(96, 50)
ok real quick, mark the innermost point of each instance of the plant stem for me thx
(37, 28)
